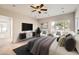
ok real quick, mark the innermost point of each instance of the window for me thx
(3, 27)
(60, 26)
(44, 28)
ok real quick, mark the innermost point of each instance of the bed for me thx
(46, 46)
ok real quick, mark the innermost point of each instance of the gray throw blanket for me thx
(42, 45)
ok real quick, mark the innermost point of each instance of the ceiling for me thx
(53, 9)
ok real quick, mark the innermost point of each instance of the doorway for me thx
(6, 30)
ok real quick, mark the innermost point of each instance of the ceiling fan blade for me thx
(41, 5)
(43, 9)
(33, 7)
(39, 12)
(33, 10)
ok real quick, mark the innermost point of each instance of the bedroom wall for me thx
(70, 16)
(17, 20)
(77, 19)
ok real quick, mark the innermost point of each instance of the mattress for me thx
(55, 49)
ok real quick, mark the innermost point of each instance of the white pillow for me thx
(77, 42)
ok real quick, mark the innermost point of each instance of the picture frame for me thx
(44, 25)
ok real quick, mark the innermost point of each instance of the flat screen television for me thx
(27, 27)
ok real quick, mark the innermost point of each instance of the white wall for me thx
(77, 19)
(17, 20)
(17, 24)
(69, 16)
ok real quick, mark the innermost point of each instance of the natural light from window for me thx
(58, 27)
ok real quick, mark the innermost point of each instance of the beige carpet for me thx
(7, 49)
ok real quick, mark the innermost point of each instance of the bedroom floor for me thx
(8, 49)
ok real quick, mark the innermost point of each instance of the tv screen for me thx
(27, 27)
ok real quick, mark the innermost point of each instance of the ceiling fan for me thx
(38, 8)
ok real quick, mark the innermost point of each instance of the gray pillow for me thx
(70, 43)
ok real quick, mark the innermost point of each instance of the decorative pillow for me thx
(70, 43)
(67, 41)
(61, 41)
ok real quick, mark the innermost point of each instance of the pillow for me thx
(77, 42)
(70, 43)
(61, 41)
(58, 38)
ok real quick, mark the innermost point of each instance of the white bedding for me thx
(55, 49)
